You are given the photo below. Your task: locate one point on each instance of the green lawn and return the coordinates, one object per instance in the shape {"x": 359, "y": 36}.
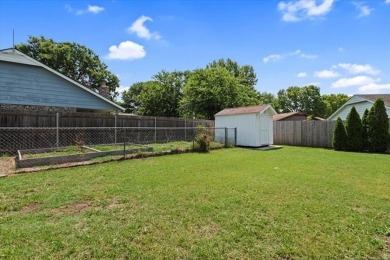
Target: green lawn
{"x": 291, "y": 203}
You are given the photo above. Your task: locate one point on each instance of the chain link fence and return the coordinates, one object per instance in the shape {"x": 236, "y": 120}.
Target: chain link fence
{"x": 46, "y": 146}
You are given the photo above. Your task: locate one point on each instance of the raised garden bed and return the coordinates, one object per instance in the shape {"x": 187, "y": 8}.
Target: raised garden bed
{"x": 60, "y": 155}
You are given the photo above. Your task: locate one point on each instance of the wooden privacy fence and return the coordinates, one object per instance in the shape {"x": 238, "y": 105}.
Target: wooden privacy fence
{"x": 304, "y": 133}
{"x": 15, "y": 119}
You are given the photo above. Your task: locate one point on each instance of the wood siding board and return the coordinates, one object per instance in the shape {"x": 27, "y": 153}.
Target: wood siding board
{"x": 29, "y": 85}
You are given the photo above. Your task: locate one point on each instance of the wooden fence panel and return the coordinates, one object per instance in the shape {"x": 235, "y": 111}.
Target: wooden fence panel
{"x": 304, "y": 133}
{"x": 15, "y": 119}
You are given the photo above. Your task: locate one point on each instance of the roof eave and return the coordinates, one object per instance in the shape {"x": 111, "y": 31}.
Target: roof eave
{"x": 68, "y": 79}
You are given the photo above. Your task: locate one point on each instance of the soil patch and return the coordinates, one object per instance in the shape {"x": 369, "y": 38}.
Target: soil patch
{"x": 30, "y": 207}
{"x": 74, "y": 208}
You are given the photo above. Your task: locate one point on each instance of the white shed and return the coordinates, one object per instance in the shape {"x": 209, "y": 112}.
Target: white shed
{"x": 254, "y": 124}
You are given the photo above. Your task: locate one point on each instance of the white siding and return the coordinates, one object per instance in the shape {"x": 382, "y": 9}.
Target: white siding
{"x": 360, "y": 108}
{"x": 249, "y": 128}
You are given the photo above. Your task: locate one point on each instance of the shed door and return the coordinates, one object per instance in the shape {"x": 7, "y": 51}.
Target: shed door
{"x": 264, "y": 128}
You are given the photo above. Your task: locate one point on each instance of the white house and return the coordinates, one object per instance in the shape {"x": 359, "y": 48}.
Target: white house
{"x": 361, "y": 103}
{"x": 254, "y": 124}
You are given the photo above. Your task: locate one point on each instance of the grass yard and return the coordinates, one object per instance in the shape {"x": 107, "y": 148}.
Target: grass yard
{"x": 291, "y": 203}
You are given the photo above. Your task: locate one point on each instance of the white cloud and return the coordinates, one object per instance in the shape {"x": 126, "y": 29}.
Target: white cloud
{"x": 294, "y": 11}
{"x": 127, "y": 50}
{"x": 302, "y": 75}
{"x": 325, "y": 74}
{"x": 341, "y": 49}
{"x": 308, "y": 56}
{"x": 95, "y": 9}
{"x": 272, "y": 57}
{"x": 303, "y": 55}
{"x": 139, "y": 28}
{"x": 90, "y": 9}
{"x": 364, "y": 10}
{"x": 357, "y": 81}
{"x": 299, "y": 53}
{"x": 387, "y": 1}
{"x": 375, "y": 88}
{"x": 358, "y": 68}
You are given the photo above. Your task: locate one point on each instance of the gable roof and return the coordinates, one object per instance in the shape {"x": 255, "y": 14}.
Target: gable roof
{"x": 245, "y": 110}
{"x": 282, "y": 116}
{"x": 15, "y": 56}
{"x": 287, "y": 115}
{"x": 374, "y": 97}
{"x": 358, "y": 98}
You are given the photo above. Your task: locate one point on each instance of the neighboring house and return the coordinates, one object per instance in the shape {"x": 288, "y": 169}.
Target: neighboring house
{"x": 361, "y": 103}
{"x": 294, "y": 116}
{"x": 27, "y": 83}
{"x": 254, "y": 124}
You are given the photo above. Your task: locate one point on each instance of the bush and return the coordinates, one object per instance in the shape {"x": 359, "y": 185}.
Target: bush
{"x": 378, "y": 130}
{"x": 354, "y": 130}
{"x": 365, "y": 125}
{"x": 339, "y": 136}
{"x": 202, "y": 140}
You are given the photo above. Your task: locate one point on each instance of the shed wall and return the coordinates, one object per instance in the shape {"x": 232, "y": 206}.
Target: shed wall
{"x": 31, "y": 85}
{"x": 266, "y": 123}
{"x": 248, "y": 131}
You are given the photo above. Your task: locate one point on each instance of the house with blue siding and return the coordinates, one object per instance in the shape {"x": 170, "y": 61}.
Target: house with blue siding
{"x": 361, "y": 102}
{"x": 26, "y": 82}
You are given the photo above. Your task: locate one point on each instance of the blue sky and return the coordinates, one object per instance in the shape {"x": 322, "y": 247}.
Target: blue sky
{"x": 341, "y": 46}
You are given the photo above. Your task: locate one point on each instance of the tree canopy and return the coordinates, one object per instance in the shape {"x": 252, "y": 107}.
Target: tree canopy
{"x": 305, "y": 99}
{"x": 72, "y": 60}
{"x": 210, "y": 90}
{"x": 244, "y": 74}
{"x": 158, "y": 97}
{"x": 222, "y": 83}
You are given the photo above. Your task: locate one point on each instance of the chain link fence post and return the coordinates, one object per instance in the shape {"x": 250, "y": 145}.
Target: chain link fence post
{"x": 235, "y": 136}
{"x": 155, "y": 129}
{"x": 185, "y": 129}
{"x": 226, "y": 137}
{"x": 57, "y": 129}
{"x": 115, "y": 122}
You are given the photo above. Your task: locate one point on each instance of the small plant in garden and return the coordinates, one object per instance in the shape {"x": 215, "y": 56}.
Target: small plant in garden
{"x": 202, "y": 139}
{"x": 79, "y": 142}
{"x": 339, "y": 136}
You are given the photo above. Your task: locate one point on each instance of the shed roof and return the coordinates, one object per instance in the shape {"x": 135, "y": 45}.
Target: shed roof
{"x": 244, "y": 110}
{"x": 15, "y": 56}
{"x": 282, "y": 116}
{"x": 287, "y": 115}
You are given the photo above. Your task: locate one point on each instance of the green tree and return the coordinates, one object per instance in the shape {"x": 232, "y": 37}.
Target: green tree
{"x": 245, "y": 74}
{"x": 365, "y": 125}
{"x": 289, "y": 100}
{"x": 304, "y": 99}
{"x": 354, "y": 130}
{"x": 210, "y": 90}
{"x": 72, "y": 60}
{"x": 378, "y": 131}
{"x": 339, "y": 136}
{"x": 158, "y": 97}
{"x": 131, "y": 97}
{"x": 266, "y": 98}
{"x": 333, "y": 102}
